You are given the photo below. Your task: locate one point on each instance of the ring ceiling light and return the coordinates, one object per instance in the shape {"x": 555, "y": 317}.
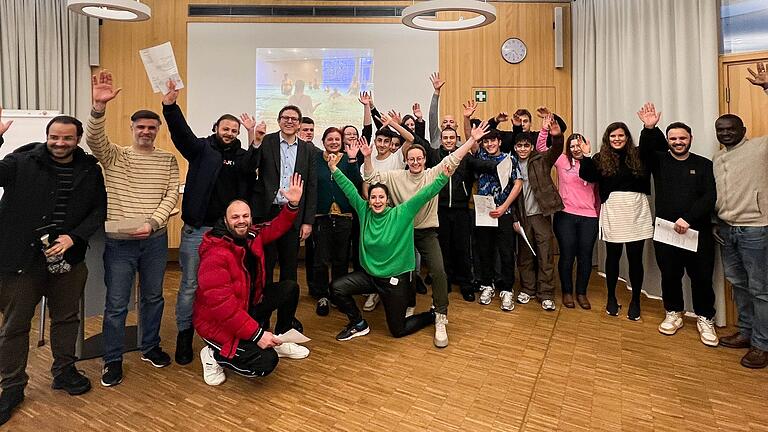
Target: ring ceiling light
{"x": 118, "y": 10}
{"x": 413, "y": 15}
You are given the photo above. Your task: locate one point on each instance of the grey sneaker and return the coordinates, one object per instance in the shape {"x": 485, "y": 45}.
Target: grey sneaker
{"x": 441, "y": 335}
{"x": 486, "y": 294}
{"x": 507, "y": 300}
{"x": 523, "y": 298}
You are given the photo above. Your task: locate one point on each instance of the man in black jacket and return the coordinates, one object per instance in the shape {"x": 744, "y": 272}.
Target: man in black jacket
{"x": 283, "y": 153}
{"x": 685, "y": 195}
{"x": 219, "y": 171}
{"x": 54, "y": 200}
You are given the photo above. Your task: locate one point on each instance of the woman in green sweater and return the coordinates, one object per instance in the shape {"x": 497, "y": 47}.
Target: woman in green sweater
{"x": 386, "y": 255}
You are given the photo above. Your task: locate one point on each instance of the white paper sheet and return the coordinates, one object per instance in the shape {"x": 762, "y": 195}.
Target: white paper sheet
{"x": 665, "y": 233}
{"x": 160, "y": 64}
{"x": 293, "y": 336}
{"x": 521, "y": 231}
{"x": 483, "y": 206}
{"x": 504, "y": 171}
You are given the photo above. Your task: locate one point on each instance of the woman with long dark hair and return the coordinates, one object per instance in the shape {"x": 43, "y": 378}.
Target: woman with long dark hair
{"x": 625, "y": 215}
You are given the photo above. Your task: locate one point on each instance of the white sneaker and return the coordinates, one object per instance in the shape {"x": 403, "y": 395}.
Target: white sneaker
{"x": 523, "y": 298}
{"x": 292, "y": 351}
{"x": 441, "y": 335}
{"x": 672, "y": 322}
{"x": 371, "y": 302}
{"x": 548, "y": 305}
{"x": 507, "y": 300}
{"x": 213, "y": 373}
{"x": 707, "y": 331}
{"x": 486, "y": 294}
{"x": 409, "y": 311}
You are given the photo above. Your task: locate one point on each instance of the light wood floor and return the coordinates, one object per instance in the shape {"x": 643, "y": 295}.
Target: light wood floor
{"x": 528, "y": 370}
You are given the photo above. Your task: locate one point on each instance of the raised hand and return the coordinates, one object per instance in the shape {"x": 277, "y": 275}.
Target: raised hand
{"x": 502, "y": 117}
{"x": 173, "y": 94}
{"x": 649, "y": 116}
{"x": 365, "y": 98}
{"x": 352, "y": 149}
{"x": 259, "y": 131}
{"x": 517, "y": 120}
{"x": 760, "y": 78}
{"x": 248, "y": 121}
{"x": 4, "y": 126}
{"x": 479, "y": 131}
{"x": 385, "y": 120}
{"x": 543, "y": 111}
{"x": 437, "y": 82}
{"x": 417, "y": 111}
{"x": 365, "y": 149}
{"x": 447, "y": 170}
{"x": 469, "y": 108}
{"x": 293, "y": 194}
{"x": 102, "y": 90}
{"x": 395, "y": 116}
{"x": 333, "y": 160}
{"x": 586, "y": 146}
{"x": 547, "y": 122}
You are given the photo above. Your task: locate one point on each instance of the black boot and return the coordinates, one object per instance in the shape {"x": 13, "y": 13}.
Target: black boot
{"x": 468, "y": 293}
{"x": 71, "y": 381}
{"x": 9, "y": 400}
{"x": 184, "y": 346}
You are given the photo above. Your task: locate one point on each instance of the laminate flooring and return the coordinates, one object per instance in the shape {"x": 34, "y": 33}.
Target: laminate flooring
{"x": 525, "y": 370}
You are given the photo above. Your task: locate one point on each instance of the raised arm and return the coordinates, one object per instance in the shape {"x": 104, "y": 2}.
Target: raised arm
{"x": 102, "y": 92}
{"x": 759, "y": 78}
{"x": 469, "y": 111}
{"x": 416, "y": 202}
{"x": 434, "y": 107}
{"x": 421, "y": 126}
{"x": 182, "y": 136}
{"x": 7, "y": 164}
{"x": 651, "y": 138}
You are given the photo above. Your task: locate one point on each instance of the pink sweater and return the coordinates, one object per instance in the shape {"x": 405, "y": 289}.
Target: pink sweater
{"x": 579, "y": 197}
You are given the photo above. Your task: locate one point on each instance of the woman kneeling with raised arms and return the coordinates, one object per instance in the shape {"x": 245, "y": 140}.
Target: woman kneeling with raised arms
{"x": 386, "y": 255}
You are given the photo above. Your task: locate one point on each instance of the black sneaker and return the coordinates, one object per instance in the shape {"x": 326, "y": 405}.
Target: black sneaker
{"x": 9, "y": 400}
{"x": 468, "y": 293}
{"x": 322, "y": 307}
{"x": 72, "y": 381}
{"x": 184, "y": 352}
{"x": 633, "y": 314}
{"x": 612, "y": 307}
{"x": 353, "y": 331}
{"x": 157, "y": 357}
{"x": 112, "y": 374}
{"x": 296, "y": 324}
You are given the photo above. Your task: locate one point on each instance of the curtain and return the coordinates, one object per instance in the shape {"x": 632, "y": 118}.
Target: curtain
{"x": 44, "y": 57}
{"x": 628, "y": 52}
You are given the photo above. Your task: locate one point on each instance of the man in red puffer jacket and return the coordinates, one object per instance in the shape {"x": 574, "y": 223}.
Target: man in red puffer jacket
{"x": 233, "y": 304}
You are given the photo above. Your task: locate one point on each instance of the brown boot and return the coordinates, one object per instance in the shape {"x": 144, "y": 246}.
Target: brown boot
{"x": 568, "y": 300}
{"x": 755, "y": 358}
{"x": 736, "y": 340}
{"x": 583, "y": 301}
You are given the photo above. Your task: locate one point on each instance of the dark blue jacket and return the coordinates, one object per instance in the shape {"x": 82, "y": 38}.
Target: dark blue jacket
{"x": 205, "y": 160}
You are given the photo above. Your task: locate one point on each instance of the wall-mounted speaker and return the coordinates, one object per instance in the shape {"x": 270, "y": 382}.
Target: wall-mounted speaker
{"x": 558, "y": 37}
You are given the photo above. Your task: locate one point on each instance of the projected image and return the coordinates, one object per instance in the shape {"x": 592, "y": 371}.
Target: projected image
{"x": 323, "y": 82}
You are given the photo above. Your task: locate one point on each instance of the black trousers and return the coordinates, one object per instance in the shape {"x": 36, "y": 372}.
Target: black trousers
{"x": 284, "y": 250}
{"x": 576, "y": 236}
{"x": 19, "y": 296}
{"x": 493, "y": 240}
{"x": 394, "y": 297}
{"x": 250, "y": 360}
{"x": 282, "y": 297}
{"x": 332, "y": 236}
{"x": 454, "y": 237}
{"x": 674, "y": 262}
{"x": 613, "y": 252}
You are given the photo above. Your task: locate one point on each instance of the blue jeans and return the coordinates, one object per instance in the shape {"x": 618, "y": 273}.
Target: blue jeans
{"x": 745, "y": 262}
{"x": 189, "y": 261}
{"x": 576, "y": 236}
{"x": 122, "y": 259}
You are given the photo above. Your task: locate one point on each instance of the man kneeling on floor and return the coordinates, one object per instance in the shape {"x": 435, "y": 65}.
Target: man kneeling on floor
{"x": 233, "y": 305}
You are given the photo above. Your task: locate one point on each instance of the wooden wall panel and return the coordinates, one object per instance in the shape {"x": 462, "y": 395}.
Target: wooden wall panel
{"x": 468, "y": 59}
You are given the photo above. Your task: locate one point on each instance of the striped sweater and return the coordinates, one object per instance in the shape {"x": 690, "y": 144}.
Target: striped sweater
{"x": 138, "y": 185}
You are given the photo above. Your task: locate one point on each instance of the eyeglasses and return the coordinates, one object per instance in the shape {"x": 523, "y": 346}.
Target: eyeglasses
{"x": 418, "y": 159}
{"x": 289, "y": 119}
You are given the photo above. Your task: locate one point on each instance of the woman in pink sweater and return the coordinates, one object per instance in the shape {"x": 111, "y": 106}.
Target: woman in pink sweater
{"x": 576, "y": 225}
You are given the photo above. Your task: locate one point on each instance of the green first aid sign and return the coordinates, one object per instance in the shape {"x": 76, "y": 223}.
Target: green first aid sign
{"x": 481, "y": 96}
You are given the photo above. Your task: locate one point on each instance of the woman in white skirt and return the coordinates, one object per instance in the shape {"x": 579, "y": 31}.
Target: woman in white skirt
{"x": 625, "y": 216}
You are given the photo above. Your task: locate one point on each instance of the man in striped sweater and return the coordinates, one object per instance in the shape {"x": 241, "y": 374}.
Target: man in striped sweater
{"x": 142, "y": 184}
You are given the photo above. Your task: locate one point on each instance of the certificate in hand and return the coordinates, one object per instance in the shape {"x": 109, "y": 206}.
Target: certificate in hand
{"x": 665, "y": 233}
{"x": 160, "y": 64}
{"x": 483, "y": 207}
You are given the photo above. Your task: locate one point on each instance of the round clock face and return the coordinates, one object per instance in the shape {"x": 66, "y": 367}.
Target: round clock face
{"x": 513, "y": 50}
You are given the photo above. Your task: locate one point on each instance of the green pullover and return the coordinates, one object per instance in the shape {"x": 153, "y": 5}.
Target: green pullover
{"x": 386, "y": 238}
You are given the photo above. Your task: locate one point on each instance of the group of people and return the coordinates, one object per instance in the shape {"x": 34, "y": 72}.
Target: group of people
{"x": 380, "y": 204}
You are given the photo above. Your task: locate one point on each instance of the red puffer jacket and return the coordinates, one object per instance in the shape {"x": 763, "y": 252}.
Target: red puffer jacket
{"x": 220, "y": 311}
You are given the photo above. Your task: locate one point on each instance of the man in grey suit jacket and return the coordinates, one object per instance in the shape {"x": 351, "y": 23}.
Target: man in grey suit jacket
{"x": 282, "y": 154}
